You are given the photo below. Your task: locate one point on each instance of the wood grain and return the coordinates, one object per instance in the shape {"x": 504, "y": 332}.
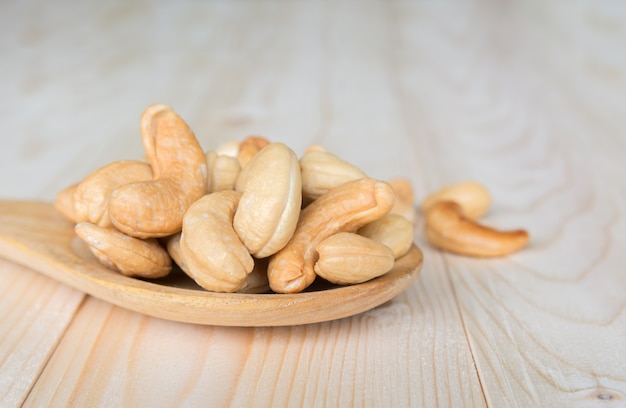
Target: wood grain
{"x": 393, "y": 353}
{"x": 525, "y": 97}
{"x": 546, "y": 326}
{"x": 35, "y": 314}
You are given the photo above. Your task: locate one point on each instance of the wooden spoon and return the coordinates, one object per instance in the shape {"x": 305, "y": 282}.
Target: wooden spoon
{"x": 35, "y": 235}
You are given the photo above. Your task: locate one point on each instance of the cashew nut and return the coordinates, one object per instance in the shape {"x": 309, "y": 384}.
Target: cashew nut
{"x": 155, "y": 208}
{"x": 344, "y": 208}
{"x": 256, "y": 282}
{"x": 272, "y": 197}
{"x": 473, "y": 198}
{"x": 405, "y": 199}
{"x": 64, "y": 203}
{"x": 249, "y": 147}
{"x": 322, "y": 171}
{"x": 393, "y": 231}
{"x": 172, "y": 245}
{"x": 230, "y": 148}
{"x": 128, "y": 255}
{"x": 314, "y": 148}
{"x": 91, "y": 198}
{"x": 448, "y": 228}
{"x": 213, "y": 254}
{"x": 348, "y": 258}
{"x": 223, "y": 171}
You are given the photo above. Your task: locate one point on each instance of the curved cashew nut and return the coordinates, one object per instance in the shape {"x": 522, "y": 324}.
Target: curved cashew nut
{"x": 322, "y": 171}
{"x": 272, "y": 197}
{"x": 91, "y": 197}
{"x": 223, "y": 171}
{"x": 128, "y": 255}
{"x": 214, "y": 256}
{"x": 344, "y": 208}
{"x": 172, "y": 246}
{"x": 393, "y": 231}
{"x": 256, "y": 282}
{"x": 449, "y": 229}
{"x": 473, "y": 198}
{"x": 155, "y": 208}
{"x": 348, "y": 258}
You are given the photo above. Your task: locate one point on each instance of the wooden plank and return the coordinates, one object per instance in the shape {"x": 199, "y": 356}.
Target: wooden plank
{"x": 35, "y": 313}
{"x": 547, "y": 326}
{"x": 408, "y": 352}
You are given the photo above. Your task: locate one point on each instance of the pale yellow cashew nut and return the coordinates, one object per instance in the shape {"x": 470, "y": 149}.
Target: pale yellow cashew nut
{"x": 213, "y": 254}
{"x": 223, "y": 172}
{"x": 229, "y": 148}
{"x": 393, "y": 231}
{"x": 323, "y": 171}
{"x": 272, "y": 197}
{"x": 314, "y": 148}
{"x": 473, "y": 198}
{"x": 249, "y": 147}
{"x": 348, "y": 258}
{"x": 91, "y": 197}
{"x": 128, "y": 255}
{"x": 256, "y": 282}
{"x": 344, "y": 208}
{"x": 172, "y": 246}
{"x": 155, "y": 208}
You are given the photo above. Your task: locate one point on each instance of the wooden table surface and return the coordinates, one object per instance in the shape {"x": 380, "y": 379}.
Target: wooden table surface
{"x": 527, "y": 97}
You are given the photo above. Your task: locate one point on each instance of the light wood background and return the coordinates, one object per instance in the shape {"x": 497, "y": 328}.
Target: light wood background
{"x": 527, "y": 97}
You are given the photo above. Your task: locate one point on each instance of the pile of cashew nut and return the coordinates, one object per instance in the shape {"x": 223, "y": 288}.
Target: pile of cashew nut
{"x": 247, "y": 216}
{"x": 251, "y": 216}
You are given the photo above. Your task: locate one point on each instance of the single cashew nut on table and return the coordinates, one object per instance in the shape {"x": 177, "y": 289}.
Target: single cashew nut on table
{"x": 473, "y": 198}
{"x": 272, "y": 197}
{"x": 128, "y": 255}
{"x": 91, "y": 197}
{"x": 448, "y": 229}
{"x": 345, "y": 208}
{"x": 213, "y": 254}
{"x": 393, "y": 231}
{"x": 348, "y": 258}
{"x": 155, "y": 208}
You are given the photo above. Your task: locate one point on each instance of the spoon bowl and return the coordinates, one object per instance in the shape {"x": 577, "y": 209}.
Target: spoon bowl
{"x": 35, "y": 235}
